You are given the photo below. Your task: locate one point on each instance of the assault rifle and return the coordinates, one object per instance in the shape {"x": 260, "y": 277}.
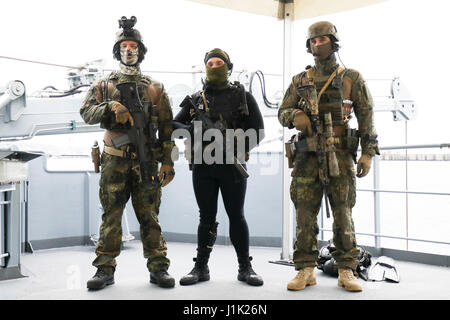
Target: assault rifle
{"x": 324, "y": 136}
{"x": 207, "y": 123}
{"x": 140, "y": 131}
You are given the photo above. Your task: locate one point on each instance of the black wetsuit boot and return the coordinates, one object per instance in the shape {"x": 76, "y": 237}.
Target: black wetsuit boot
{"x": 246, "y": 272}
{"x": 200, "y": 272}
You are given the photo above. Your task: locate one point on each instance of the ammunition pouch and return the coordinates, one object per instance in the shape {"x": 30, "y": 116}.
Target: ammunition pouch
{"x": 306, "y": 144}
{"x": 243, "y": 107}
{"x": 120, "y": 140}
{"x": 289, "y": 154}
{"x": 349, "y": 141}
{"x": 290, "y": 150}
{"x": 299, "y": 143}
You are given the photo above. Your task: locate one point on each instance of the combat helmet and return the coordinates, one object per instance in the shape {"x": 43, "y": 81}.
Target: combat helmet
{"x": 322, "y": 28}
{"x": 128, "y": 33}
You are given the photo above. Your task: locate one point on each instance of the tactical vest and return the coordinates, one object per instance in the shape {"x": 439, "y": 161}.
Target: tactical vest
{"x": 229, "y": 106}
{"x": 333, "y": 97}
{"x": 111, "y": 93}
{"x": 333, "y": 94}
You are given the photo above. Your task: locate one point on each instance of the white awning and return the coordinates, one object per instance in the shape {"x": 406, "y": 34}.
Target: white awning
{"x": 302, "y": 8}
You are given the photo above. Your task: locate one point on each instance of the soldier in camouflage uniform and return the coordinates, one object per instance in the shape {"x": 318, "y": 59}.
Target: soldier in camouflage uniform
{"x": 345, "y": 92}
{"x": 120, "y": 170}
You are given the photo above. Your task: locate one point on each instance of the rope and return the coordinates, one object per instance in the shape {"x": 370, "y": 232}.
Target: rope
{"x": 83, "y": 67}
{"x": 44, "y": 63}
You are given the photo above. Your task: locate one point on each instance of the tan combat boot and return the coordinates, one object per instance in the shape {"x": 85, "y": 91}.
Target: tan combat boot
{"x": 305, "y": 277}
{"x": 348, "y": 280}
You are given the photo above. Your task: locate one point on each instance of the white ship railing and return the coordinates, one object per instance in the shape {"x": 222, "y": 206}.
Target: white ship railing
{"x": 376, "y": 191}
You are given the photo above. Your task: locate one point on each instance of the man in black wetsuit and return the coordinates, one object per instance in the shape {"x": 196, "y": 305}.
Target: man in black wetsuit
{"x": 228, "y": 107}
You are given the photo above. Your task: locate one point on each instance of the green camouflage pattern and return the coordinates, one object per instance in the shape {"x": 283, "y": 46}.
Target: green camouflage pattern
{"x": 306, "y": 188}
{"x": 132, "y": 35}
{"x": 119, "y": 179}
{"x": 94, "y": 110}
{"x": 120, "y": 176}
{"x": 322, "y": 28}
{"x": 359, "y": 94}
{"x": 306, "y": 192}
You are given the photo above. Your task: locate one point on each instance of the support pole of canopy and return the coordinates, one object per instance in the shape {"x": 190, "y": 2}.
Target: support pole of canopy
{"x": 287, "y": 207}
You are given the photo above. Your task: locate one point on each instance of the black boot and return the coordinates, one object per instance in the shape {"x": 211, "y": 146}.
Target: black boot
{"x": 101, "y": 279}
{"x": 162, "y": 279}
{"x": 207, "y": 234}
{"x": 246, "y": 272}
{"x": 199, "y": 273}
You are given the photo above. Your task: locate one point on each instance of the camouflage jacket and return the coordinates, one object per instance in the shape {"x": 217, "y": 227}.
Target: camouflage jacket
{"x": 354, "y": 88}
{"x": 95, "y": 109}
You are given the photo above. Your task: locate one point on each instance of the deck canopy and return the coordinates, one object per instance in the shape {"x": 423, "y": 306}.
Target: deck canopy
{"x": 303, "y": 9}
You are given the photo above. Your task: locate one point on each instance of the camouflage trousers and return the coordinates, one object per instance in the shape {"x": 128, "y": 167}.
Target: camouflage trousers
{"x": 306, "y": 192}
{"x": 120, "y": 179}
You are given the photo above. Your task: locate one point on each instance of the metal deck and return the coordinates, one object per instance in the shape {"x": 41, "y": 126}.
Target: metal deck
{"x": 61, "y": 274}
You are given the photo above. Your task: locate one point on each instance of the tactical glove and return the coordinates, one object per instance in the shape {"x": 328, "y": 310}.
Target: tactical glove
{"x": 122, "y": 114}
{"x": 166, "y": 174}
{"x": 302, "y": 123}
{"x": 363, "y": 166}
